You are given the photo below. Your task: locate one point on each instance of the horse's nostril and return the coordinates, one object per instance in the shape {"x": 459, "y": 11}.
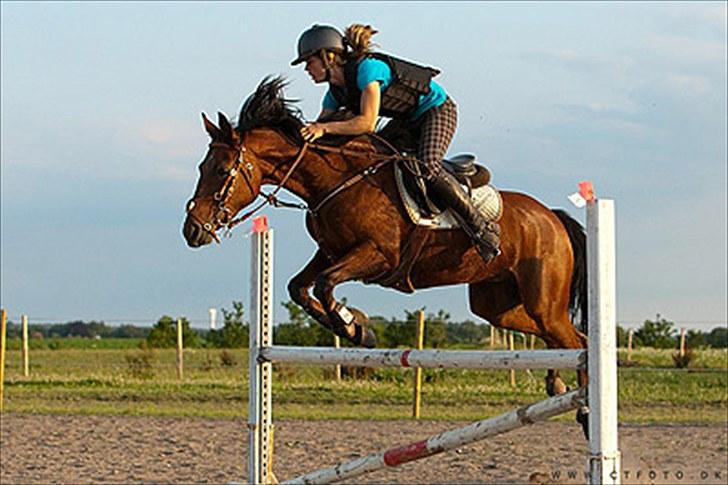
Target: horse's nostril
{"x": 190, "y": 230}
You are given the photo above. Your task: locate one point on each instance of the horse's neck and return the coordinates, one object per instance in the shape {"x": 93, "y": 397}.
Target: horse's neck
{"x": 318, "y": 172}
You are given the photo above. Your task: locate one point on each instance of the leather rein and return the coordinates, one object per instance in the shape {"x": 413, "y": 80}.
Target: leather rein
{"x": 222, "y": 216}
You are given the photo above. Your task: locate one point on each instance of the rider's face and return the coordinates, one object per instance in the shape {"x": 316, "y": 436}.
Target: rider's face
{"x": 315, "y": 68}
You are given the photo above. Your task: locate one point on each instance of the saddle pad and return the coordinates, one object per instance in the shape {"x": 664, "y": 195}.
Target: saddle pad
{"x": 486, "y": 198}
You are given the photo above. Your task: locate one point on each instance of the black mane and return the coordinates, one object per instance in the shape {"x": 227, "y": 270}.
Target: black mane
{"x": 267, "y": 107}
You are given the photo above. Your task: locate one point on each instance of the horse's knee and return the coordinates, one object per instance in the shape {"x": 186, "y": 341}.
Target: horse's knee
{"x": 295, "y": 291}
{"x": 322, "y": 290}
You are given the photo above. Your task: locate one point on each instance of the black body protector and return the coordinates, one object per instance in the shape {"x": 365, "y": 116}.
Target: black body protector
{"x": 400, "y": 99}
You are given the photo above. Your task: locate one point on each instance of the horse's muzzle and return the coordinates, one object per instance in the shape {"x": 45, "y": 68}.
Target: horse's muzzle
{"x": 195, "y": 234}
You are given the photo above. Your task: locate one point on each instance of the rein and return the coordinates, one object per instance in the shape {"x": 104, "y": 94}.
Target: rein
{"x": 272, "y": 199}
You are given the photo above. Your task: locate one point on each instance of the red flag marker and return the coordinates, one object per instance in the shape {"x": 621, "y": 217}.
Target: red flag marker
{"x": 586, "y": 190}
{"x": 260, "y": 224}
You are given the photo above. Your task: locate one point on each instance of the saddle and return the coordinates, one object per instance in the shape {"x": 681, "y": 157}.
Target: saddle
{"x": 427, "y": 211}
{"x": 462, "y": 167}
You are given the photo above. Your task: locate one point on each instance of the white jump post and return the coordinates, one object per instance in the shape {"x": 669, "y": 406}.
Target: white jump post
{"x": 604, "y": 458}
{"x": 260, "y": 446}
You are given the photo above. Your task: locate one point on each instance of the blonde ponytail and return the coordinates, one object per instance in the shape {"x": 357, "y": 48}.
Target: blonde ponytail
{"x": 359, "y": 36}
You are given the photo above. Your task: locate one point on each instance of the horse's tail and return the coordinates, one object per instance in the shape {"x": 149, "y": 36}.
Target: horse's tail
{"x": 578, "y": 291}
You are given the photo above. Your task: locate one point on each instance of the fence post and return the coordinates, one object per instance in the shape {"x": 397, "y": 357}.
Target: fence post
{"x": 26, "y": 358}
{"x": 512, "y": 347}
{"x": 419, "y": 341}
{"x": 3, "y": 320}
{"x": 604, "y": 456}
{"x": 180, "y": 364}
{"x": 337, "y": 369}
{"x": 260, "y": 426}
{"x": 629, "y": 344}
{"x": 682, "y": 342}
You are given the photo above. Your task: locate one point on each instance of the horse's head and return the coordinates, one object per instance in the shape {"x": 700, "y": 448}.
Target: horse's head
{"x": 229, "y": 181}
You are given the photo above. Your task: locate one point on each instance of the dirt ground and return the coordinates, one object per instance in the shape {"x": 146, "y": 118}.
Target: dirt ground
{"x": 94, "y": 449}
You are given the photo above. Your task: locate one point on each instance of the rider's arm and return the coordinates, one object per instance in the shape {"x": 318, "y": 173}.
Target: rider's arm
{"x": 365, "y": 122}
{"x": 362, "y": 123}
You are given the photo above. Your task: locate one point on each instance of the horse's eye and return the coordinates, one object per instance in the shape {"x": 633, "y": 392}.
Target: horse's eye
{"x": 223, "y": 173}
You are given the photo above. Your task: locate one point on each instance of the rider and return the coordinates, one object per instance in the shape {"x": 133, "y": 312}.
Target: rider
{"x": 371, "y": 84}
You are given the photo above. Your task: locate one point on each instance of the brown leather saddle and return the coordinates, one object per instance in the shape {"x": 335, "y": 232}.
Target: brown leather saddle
{"x": 463, "y": 167}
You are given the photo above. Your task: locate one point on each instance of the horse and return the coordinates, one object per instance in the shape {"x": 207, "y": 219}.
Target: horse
{"x": 354, "y": 213}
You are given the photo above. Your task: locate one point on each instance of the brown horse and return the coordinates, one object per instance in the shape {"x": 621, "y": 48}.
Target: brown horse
{"x": 356, "y": 216}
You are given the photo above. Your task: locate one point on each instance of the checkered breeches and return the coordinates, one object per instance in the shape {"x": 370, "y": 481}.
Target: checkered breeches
{"x": 437, "y": 128}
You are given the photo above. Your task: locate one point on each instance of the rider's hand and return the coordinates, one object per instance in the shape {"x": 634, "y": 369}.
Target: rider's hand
{"x": 313, "y": 131}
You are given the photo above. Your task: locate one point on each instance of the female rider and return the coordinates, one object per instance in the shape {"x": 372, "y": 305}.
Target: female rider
{"x": 371, "y": 84}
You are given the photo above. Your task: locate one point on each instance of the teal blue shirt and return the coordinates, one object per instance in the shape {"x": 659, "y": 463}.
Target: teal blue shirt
{"x": 371, "y": 70}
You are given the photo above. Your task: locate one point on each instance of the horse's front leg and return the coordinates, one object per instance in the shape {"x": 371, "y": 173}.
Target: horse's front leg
{"x": 364, "y": 261}
{"x": 300, "y": 284}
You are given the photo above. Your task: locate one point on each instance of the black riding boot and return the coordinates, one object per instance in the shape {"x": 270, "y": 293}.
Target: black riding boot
{"x": 485, "y": 235}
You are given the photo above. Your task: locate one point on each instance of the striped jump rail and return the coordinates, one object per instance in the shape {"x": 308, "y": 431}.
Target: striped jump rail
{"x": 599, "y": 359}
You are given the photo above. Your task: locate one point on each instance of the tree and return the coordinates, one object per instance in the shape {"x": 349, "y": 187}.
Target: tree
{"x": 435, "y": 329}
{"x": 622, "y": 336}
{"x": 129, "y": 331}
{"x": 695, "y": 339}
{"x": 658, "y": 334}
{"x": 718, "y": 338}
{"x": 234, "y": 333}
{"x": 398, "y": 333}
{"x": 467, "y": 332}
{"x": 301, "y": 329}
{"x": 164, "y": 334}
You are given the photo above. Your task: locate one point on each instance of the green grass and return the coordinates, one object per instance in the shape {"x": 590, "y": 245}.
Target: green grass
{"x": 102, "y": 381}
{"x": 74, "y": 343}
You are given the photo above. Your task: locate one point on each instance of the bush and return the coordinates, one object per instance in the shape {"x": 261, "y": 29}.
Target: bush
{"x": 227, "y": 359}
{"x": 683, "y": 361}
{"x": 139, "y": 364}
{"x": 164, "y": 334}
{"x": 208, "y": 363}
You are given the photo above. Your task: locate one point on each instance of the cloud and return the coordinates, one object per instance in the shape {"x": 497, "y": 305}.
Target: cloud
{"x": 712, "y": 15}
{"x": 686, "y": 83}
{"x": 160, "y": 148}
{"x": 685, "y": 51}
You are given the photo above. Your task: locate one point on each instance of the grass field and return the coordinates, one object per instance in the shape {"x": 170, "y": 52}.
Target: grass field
{"x": 135, "y": 382}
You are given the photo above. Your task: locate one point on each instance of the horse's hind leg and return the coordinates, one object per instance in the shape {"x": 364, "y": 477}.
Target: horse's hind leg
{"x": 500, "y": 303}
{"x": 546, "y": 300}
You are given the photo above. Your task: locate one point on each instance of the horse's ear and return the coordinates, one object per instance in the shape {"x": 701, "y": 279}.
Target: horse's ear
{"x": 210, "y": 127}
{"x": 227, "y": 130}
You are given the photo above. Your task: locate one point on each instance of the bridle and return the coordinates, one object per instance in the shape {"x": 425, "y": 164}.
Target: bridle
{"x": 223, "y": 213}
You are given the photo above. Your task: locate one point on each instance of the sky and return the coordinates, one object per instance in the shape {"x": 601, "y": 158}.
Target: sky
{"x": 101, "y": 135}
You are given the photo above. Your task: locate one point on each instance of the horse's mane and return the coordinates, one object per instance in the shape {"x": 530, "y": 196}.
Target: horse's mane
{"x": 267, "y": 107}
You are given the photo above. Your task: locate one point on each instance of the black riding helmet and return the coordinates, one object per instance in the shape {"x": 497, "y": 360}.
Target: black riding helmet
{"x": 319, "y": 37}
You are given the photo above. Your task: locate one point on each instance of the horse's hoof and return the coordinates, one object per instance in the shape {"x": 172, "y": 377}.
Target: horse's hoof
{"x": 555, "y": 386}
{"x": 369, "y": 339}
{"x": 364, "y": 337}
{"x": 359, "y": 316}
{"x": 582, "y": 417}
